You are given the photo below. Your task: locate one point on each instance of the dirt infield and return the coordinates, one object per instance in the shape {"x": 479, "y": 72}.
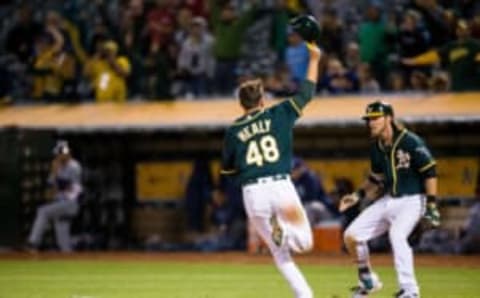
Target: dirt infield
{"x": 243, "y": 258}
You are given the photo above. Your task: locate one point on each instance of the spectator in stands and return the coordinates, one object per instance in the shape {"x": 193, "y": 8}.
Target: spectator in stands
{"x": 280, "y": 83}
{"x": 52, "y": 66}
{"x": 439, "y": 82}
{"x": 373, "y": 36}
{"x": 99, "y": 34}
{"x": 130, "y": 40}
{"x": 296, "y": 56}
{"x": 396, "y": 82}
{"x": 228, "y": 28}
{"x": 184, "y": 23}
{"x": 460, "y": 57}
{"x": 451, "y": 18}
{"x": 317, "y": 204}
{"x": 418, "y": 81}
{"x": 281, "y": 16}
{"x": 108, "y": 72}
{"x": 463, "y": 8}
{"x": 475, "y": 26}
{"x": 150, "y": 34}
{"x": 331, "y": 35}
{"x": 197, "y": 7}
{"x": 65, "y": 178}
{"x": 21, "y": 37}
{"x": 367, "y": 83}
{"x": 412, "y": 38}
{"x": 160, "y": 23}
{"x": 351, "y": 58}
{"x": 257, "y": 58}
{"x": 159, "y": 72}
{"x": 338, "y": 80}
{"x": 196, "y": 61}
{"x": 433, "y": 16}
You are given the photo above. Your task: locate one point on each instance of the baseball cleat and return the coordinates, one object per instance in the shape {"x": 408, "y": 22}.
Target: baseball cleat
{"x": 404, "y": 294}
{"x": 367, "y": 286}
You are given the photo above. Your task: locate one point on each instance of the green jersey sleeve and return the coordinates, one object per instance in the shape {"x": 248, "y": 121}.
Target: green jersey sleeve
{"x": 304, "y": 96}
{"x": 290, "y": 109}
{"x": 422, "y": 158}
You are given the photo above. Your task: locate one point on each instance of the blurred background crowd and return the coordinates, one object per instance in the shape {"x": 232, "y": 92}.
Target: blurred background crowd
{"x": 118, "y": 50}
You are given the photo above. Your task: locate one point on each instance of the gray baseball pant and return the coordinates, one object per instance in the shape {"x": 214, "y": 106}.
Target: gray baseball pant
{"x": 55, "y": 211}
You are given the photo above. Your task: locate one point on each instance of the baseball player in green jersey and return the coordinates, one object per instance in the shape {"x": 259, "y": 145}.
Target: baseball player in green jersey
{"x": 403, "y": 181}
{"x": 258, "y": 151}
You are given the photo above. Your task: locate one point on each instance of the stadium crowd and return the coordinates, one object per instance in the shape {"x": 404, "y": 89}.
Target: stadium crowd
{"x": 117, "y": 50}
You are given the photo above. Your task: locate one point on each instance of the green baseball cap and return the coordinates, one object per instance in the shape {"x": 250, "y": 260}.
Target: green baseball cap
{"x": 378, "y": 109}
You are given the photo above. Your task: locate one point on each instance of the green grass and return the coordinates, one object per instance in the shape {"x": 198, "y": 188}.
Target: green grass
{"x": 125, "y": 279}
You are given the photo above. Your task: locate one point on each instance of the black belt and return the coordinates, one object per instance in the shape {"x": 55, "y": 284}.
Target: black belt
{"x": 398, "y": 196}
{"x": 266, "y": 179}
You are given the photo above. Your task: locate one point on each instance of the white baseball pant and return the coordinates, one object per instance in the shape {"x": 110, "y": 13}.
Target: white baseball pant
{"x": 269, "y": 197}
{"x": 398, "y": 216}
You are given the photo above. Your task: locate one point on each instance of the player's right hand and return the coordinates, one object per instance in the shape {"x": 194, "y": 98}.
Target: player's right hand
{"x": 348, "y": 201}
{"x": 313, "y": 50}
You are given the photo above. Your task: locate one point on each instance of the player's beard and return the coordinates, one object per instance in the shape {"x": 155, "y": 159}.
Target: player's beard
{"x": 378, "y": 132}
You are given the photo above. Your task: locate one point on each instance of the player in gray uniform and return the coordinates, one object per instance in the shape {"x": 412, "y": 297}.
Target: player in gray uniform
{"x": 403, "y": 181}
{"x": 65, "y": 179}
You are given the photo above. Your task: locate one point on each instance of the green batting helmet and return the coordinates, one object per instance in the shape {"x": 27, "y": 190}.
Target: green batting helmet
{"x": 378, "y": 109}
{"x": 306, "y": 26}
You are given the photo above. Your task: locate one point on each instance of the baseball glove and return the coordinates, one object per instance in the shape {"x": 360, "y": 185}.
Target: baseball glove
{"x": 431, "y": 218}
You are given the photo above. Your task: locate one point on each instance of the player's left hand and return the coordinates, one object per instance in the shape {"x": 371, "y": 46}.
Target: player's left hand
{"x": 432, "y": 215}
{"x": 348, "y": 201}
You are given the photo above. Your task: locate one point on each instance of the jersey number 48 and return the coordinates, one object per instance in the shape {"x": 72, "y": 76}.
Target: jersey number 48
{"x": 263, "y": 150}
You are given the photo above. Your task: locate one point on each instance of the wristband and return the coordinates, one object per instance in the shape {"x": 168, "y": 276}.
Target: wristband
{"x": 374, "y": 180}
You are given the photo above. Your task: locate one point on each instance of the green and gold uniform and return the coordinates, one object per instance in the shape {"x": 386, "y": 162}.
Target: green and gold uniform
{"x": 258, "y": 151}
{"x": 403, "y": 165}
{"x": 259, "y": 144}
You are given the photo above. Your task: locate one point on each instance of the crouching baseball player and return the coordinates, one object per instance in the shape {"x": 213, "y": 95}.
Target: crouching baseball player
{"x": 65, "y": 179}
{"x": 403, "y": 170}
